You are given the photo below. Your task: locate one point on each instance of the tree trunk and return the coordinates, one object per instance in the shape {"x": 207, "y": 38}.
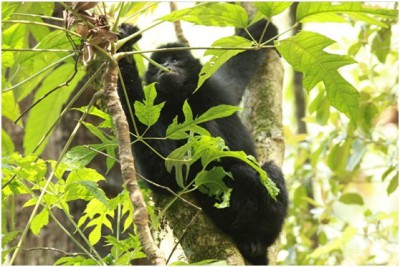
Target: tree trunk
{"x": 199, "y": 237}
{"x": 263, "y": 116}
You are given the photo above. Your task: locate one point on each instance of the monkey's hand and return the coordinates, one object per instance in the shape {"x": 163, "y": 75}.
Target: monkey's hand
{"x": 126, "y": 30}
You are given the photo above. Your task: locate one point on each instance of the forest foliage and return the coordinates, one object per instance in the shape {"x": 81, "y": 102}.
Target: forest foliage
{"x": 335, "y": 173}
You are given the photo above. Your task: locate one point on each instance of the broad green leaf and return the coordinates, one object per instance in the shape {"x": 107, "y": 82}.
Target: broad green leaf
{"x": 76, "y": 261}
{"x": 336, "y": 243}
{"x": 178, "y": 130}
{"x": 7, "y": 60}
{"x": 146, "y": 111}
{"x": 338, "y": 156}
{"x": 358, "y": 151}
{"x": 97, "y": 132}
{"x": 270, "y": 9}
{"x": 352, "y": 198}
{"x": 8, "y": 8}
{"x": 10, "y": 108}
{"x": 8, "y": 237}
{"x": 7, "y": 145}
{"x": 209, "y": 149}
{"x": 211, "y": 14}
{"x": 219, "y": 57}
{"x": 299, "y": 194}
{"x": 84, "y": 174}
{"x": 28, "y": 64}
{"x": 43, "y": 115}
{"x": 381, "y": 44}
{"x": 94, "y": 189}
{"x": 329, "y": 12}
{"x": 127, "y": 208}
{"x": 40, "y": 220}
{"x": 320, "y": 105}
{"x": 14, "y": 36}
{"x": 97, "y": 215}
{"x": 212, "y": 183}
{"x": 30, "y": 167}
{"x": 94, "y": 111}
{"x": 304, "y": 52}
{"x": 180, "y": 157}
{"x": 393, "y": 185}
{"x": 79, "y": 156}
{"x": 389, "y": 171}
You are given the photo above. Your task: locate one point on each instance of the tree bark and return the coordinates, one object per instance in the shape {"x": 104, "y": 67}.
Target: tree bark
{"x": 262, "y": 115}
{"x": 199, "y": 237}
{"x": 140, "y": 216}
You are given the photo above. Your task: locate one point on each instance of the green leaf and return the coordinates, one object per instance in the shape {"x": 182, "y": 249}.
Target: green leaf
{"x": 94, "y": 111}
{"x": 270, "y": 9}
{"x": 8, "y": 8}
{"x": 338, "y": 156}
{"x": 43, "y": 115}
{"x": 358, "y": 151}
{"x": 219, "y": 57}
{"x": 14, "y": 36}
{"x": 351, "y": 198}
{"x": 211, "y": 14}
{"x": 394, "y": 183}
{"x": 97, "y": 132}
{"x": 39, "y": 221}
{"x": 97, "y": 215}
{"x": 146, "y": 111}
{"x": 212, "y": 183}
{"x": 381, "y": 44}
{"x": 304, "y": 52}
{"x": 95, "y": 191}
{"x": 73, "y": 261}
{"x": 7, "y": 144}
{"x": 336, "y": 243}
{"x": 84, "y": 174}
{"x": 8, "y": 237}
{"x": 7, "y": 59}
{"x": 177, "y": 130}
{"x": 328, "y": 12}
{"x": 9, "y": 108}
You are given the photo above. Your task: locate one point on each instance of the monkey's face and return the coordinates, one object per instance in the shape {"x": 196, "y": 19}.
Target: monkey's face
{"x": 182, "y": 75}
{"x": 174, "y": 69}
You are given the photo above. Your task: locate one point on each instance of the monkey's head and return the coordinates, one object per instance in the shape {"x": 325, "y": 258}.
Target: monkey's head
{"x": 184, "y": 70}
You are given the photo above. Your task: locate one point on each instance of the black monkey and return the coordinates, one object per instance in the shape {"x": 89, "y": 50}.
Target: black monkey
{"x": 254, "y": 220}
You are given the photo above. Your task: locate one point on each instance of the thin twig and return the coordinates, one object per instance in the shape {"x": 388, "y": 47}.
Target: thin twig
{"x": 37, "y": 16}
{"x": 170, "y": 191}
{"x": 37, "y": 73}
{"x": 69, "y": 105}
{"x": 55, "y": 250}
{"x": 183, "y": 234}
{"x": 47, "y": 184}
{"x": 171, "y": 49}
{"x": 100, "y": 152}
{"x": 38, "y": 50}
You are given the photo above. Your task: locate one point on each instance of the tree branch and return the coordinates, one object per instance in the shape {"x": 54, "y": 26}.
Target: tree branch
{"x": 141, "y": 217}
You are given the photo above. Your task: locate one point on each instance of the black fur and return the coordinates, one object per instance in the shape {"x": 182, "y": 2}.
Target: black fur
{"x": 254, "y": 220}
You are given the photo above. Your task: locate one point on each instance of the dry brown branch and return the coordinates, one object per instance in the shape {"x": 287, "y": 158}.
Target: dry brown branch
{"x": 178, "y": 27}
{"x": 141, "y": 217}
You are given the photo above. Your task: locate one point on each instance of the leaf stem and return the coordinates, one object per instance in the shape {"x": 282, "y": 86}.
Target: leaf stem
{"x": 69, "y": 105}
{"x": 47, "y": 184}
{"x": 37, "y": 73}
{"x": 37, "y": 16}
{"x": 42, "y": 24}
{"x": 38, "y": 50}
